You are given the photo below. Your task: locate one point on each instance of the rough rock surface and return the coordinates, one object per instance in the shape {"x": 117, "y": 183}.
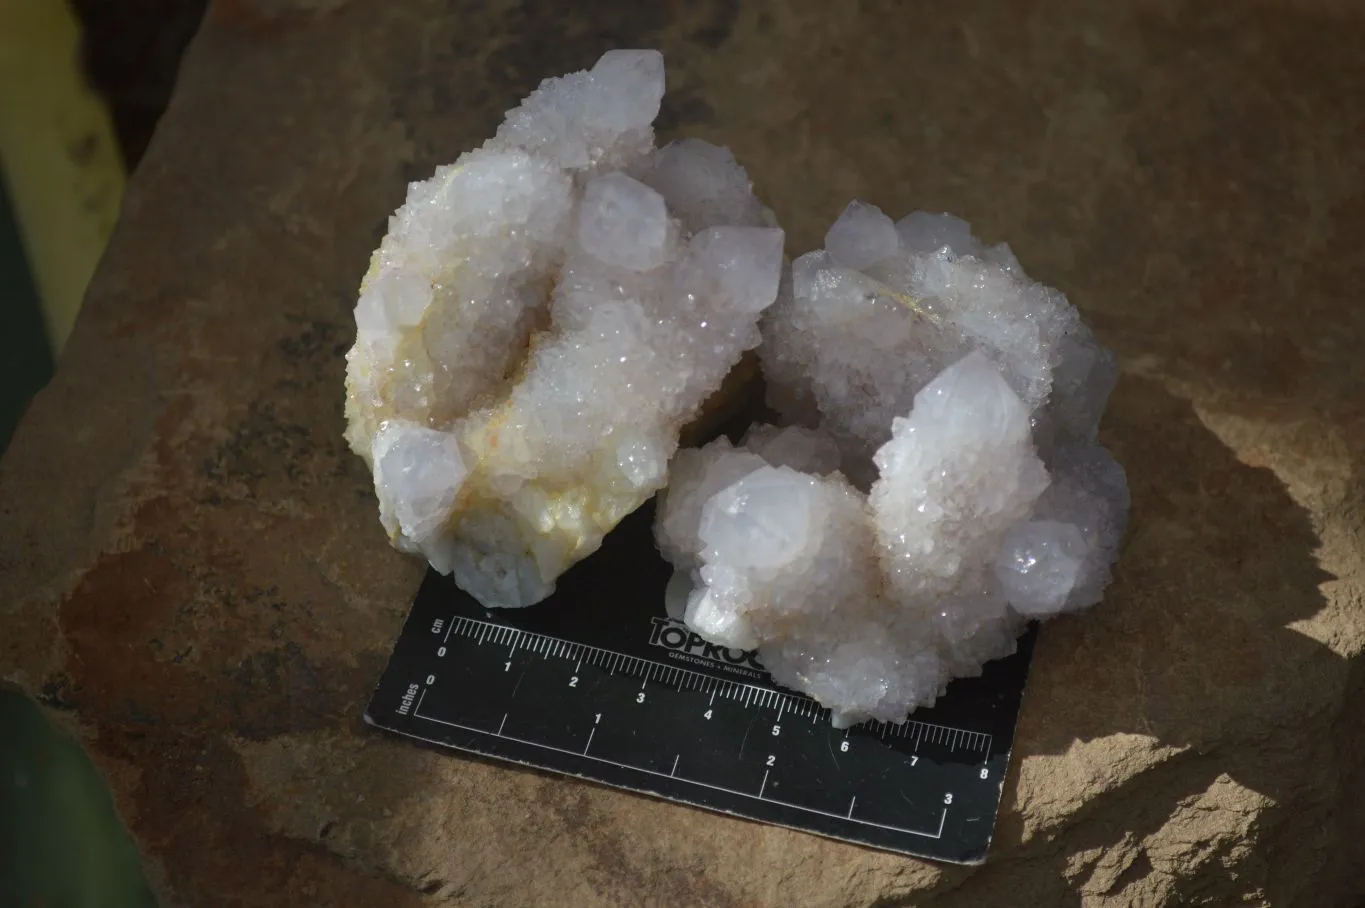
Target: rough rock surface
{"x": 191, "y": 576}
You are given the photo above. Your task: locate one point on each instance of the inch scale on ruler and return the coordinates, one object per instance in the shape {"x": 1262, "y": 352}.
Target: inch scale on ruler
{"x": 598, "y": 683}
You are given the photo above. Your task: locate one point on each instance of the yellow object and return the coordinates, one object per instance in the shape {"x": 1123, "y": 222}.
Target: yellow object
{"x": 59, "y": 158}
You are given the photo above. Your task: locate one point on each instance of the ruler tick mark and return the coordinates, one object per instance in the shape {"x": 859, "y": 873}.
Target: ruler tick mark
{"x": 745, "y": 794}
{"x": 591, "y": 732}
{"x": 850, "y": 806}
{"x": 764, "y": 786}
{"x": 674, "y": 770}
{"x": 502, "y": 724}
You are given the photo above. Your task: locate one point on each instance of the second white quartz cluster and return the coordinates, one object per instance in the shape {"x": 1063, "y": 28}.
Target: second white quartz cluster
{"x": 938, "y": 484}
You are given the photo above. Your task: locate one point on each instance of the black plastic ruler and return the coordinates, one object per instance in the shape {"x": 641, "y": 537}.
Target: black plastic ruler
{"x": 596, "y": 682}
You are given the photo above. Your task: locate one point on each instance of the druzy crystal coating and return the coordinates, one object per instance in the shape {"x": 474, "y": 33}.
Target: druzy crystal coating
{"x": 542, "y": 319}
{"x": 937, "y": 484}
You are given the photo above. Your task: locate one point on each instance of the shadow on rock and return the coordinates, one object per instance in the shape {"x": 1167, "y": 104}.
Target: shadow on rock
{"x": 1186, "y": 705}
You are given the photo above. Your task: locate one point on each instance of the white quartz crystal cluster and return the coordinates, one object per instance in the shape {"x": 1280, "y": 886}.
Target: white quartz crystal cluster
{"x": 547, "y": 314}
{"x": 938, "y": 484}
{"x": 542, "y": 319}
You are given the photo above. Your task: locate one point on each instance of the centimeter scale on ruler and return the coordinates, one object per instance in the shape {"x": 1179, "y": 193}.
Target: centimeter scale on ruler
{"x": 770, "y": 703}
{"x": 468, "y": 678}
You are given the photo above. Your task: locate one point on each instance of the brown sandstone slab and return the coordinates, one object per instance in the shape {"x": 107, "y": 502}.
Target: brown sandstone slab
{"x": 193, "y": 579}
